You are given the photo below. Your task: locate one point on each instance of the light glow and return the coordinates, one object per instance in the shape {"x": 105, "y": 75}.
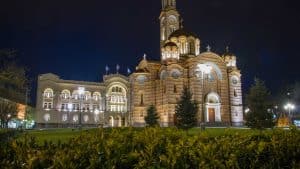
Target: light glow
{"x": 205, "y": 68}
{"x": 81, "y": 90}
{"x": 289, "y": 106}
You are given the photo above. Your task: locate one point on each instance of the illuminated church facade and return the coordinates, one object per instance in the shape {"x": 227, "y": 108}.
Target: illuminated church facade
{"x": 214, "y": 80}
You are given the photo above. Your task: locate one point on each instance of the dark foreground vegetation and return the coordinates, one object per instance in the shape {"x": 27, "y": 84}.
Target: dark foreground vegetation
{"x": 156, "y": 148}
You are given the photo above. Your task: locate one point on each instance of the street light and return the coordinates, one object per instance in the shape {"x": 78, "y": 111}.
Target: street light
{"x": 81, "y": 91}
{"x": 204, "y": 69}
{"x": 289, "y": 107}
{"x": 70, "y": 107}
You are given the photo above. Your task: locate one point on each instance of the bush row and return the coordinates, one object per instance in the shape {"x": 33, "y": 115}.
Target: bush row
{"x": 157, "y": 148}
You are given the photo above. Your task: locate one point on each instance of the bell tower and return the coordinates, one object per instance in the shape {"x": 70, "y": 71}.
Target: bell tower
{"x": 169, "y": 20}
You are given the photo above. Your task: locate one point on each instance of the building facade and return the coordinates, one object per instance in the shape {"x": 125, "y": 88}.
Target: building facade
{"x": 213, "y": 79}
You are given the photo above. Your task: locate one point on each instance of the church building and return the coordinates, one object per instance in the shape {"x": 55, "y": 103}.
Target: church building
{"x": 213, "y": 79}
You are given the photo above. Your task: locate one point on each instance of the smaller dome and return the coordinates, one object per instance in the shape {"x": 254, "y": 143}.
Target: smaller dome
{"x": 228, "y": 53}
{"x": 182, "y": 32}
{"x": 171, "y": 44}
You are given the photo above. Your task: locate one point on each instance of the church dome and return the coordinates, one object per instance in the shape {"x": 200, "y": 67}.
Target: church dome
{"x": 182, "y": 32}
{"x": 170, "y": 44}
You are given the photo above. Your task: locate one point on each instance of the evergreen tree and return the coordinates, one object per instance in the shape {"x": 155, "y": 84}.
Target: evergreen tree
{"x": 186, "y": 111}
{"x": 258, "y": 102}
{"x": 152, "y": 116}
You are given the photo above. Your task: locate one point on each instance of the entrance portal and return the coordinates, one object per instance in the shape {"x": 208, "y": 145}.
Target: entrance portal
{"x": 211, "y": 114}
{"x": 212, "y": 108}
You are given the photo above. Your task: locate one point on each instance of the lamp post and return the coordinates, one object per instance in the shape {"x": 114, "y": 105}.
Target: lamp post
{"x": 81, "y": 91}
{"x": 70, "y": 107}
{"x": 289, "y": 107}
{"x": 204, "y": 69}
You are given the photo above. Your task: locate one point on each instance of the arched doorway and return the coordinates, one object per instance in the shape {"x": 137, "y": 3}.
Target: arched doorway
{"x": 118, "y": 121}
{"x": 212, "y": 108}
{"x": 111, "y": 121}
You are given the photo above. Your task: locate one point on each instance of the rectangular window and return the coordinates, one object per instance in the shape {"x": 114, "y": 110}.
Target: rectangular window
{"x": 45, "y": 106}
{"x": 49, "y": 105}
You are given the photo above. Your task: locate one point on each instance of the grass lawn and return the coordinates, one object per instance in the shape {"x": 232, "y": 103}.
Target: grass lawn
{"x": 55, "y": 135}
{"x": 64, "y": 135}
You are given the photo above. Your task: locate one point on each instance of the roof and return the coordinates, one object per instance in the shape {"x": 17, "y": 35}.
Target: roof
{"x": 182, "y": 32}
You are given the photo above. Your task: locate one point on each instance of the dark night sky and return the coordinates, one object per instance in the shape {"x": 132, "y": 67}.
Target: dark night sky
{"x": 76, "y": 39}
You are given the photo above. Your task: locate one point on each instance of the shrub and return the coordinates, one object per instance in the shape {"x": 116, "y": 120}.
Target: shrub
{"x": 157, "y": 148}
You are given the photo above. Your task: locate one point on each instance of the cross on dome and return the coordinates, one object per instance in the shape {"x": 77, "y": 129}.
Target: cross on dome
{"x": 208, "y": 48}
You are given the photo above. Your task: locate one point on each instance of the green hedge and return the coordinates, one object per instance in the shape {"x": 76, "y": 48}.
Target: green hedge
{"x": 156, "y": 148}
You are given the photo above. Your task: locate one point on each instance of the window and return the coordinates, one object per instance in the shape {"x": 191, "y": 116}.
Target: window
{"x": 63, "y": 106}
{"x": 87, "y": 95}
{"x": 175, "y": 73}
{"x": 75, "y": 118}
{"x": 116, "y": 99}
{"x": 48, "y": 93}
{"x": 141, "y": 79}
{"x": 47, "y": 105}
{"x": 234, "y": 93}
{"x": 65, "y": 94}
{"x": 47, "y": 117}
{"x": 175, "y": 89}
{"x": 96, "y": 96}
{"x": 142, "y": 100}
{"x": 85, "y": 118}
{"x": 64, "y": 117}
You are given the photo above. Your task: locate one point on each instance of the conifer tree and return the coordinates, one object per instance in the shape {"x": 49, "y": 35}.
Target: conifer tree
{"x": 258, "y": 103}
{"x": 186, "y": 111}
{"x": 152, "y": 117}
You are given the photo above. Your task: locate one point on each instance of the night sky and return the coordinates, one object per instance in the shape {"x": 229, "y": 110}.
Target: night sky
{"x": 75, "y": 39}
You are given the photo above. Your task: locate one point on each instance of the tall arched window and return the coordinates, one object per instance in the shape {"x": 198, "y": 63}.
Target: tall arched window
{"x": 142, "y": 99}
{"x": 234, "y": 93}
{"x": 48, "y": 99}
{"x": 175, "y": 89}
{"x": 117, "y": 99}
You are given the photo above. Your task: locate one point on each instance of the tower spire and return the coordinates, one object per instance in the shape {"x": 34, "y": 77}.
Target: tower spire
{"x": 168, "y": 4}
{"x": 169, "y": 20}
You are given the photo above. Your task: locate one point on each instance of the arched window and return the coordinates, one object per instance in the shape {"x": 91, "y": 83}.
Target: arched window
{"x": 47, "y": 117}
{"x": 65, "y": 94}
{"x": 212, "y": 98}
{"x": 48, "y": 93}
{"x": 64, "y": 117}
{"x": 117, "y": 99}
{"x": 75, "y": 95}
{"x": 175, "y": 89}
{"x": 191, "y": 47}
{"x": 96, "y": 96}
{"x": 48, "y": 99}
{"x": 234, "y": 93}
{"x": 87, "y": 95}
